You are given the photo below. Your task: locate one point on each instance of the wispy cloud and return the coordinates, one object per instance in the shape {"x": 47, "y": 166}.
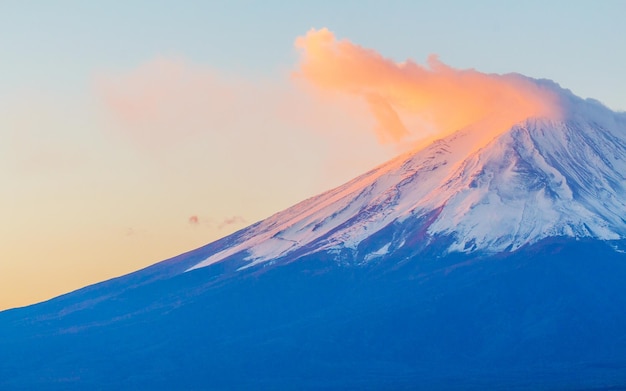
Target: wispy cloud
{"x": 234, "y": 220}
{"x": 411, "y": 100}
{"x": 337, "y": 93}
{"x": 164, "y": 101}
{"x": 196, "y": 220}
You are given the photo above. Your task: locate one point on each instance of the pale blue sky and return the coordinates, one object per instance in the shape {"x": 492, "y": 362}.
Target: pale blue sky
{"x": 579, "y": 44}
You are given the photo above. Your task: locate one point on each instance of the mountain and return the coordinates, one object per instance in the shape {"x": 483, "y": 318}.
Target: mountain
{"x": 477, "y": 262}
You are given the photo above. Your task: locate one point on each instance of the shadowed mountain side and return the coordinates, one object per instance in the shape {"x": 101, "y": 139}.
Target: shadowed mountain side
{"x": 547, "y": 315}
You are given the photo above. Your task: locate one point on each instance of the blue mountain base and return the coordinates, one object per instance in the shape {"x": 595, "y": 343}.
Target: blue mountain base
{"x": 551, "y": 315}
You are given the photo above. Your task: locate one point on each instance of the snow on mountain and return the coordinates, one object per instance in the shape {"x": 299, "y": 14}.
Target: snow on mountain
{"x": 544, "y": 177}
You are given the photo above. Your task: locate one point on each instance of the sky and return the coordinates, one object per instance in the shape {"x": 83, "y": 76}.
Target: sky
{"x": 135, "y": 131}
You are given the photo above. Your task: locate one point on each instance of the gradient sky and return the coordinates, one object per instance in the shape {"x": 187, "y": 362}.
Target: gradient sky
{"x": 134, "y": 131}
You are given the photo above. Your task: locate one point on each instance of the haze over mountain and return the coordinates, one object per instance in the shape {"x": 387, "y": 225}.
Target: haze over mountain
{"x": 485, "y": 259}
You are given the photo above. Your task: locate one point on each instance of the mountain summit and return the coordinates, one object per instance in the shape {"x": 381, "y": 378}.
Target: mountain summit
{"x": 542, "y": 178}
{"x": 481, "y": 261}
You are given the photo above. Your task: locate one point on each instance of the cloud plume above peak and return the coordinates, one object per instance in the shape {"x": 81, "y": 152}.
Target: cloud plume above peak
{"x": 411, "y": 101}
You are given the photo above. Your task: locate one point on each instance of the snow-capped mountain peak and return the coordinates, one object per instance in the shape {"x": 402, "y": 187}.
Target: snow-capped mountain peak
{"x": 544, "y": 177}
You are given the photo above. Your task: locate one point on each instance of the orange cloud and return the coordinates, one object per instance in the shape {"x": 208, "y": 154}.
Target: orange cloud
{"x": 411, "y": 101}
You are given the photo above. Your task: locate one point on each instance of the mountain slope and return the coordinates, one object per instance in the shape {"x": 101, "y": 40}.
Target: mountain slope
{"x": 474, "y": 263}
{"x": 540, "y": 179}
{"x": 544, "y": 317}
